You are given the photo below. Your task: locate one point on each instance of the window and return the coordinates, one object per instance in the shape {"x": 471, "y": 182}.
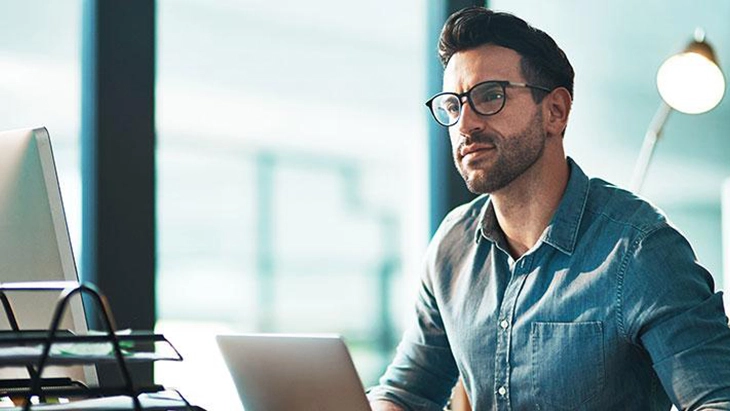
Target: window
{"x": 40, "y": 85}
{"x": 291, "y": 177}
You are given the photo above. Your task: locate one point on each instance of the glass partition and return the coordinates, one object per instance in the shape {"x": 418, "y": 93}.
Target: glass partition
{"x": 40, "y": 85}
{"x": 292, "y": 177}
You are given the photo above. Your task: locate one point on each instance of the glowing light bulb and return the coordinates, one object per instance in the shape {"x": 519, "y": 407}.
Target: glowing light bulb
{"x": 691, "y": 83}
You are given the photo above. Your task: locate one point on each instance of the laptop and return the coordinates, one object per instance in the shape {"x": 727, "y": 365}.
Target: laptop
{"x": 280, "y": 372}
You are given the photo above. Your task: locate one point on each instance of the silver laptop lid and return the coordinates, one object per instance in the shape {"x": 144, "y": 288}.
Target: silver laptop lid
{"x": 279, "y": 372}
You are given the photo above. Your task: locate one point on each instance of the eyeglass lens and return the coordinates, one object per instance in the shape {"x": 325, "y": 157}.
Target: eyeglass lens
{"x": 486, "y": 98}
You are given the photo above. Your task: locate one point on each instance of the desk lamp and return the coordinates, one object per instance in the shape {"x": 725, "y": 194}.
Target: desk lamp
{"x": 690, "y": 82}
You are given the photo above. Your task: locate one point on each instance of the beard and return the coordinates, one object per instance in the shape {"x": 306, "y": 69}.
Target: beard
{"x": 515, "y": 154}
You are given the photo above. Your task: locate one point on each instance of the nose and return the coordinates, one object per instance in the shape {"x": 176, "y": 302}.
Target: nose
{"x": 470, "y": 121}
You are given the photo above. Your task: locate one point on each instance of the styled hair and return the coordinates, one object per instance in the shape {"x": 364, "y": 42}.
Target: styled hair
{"x": 543, "y": 62}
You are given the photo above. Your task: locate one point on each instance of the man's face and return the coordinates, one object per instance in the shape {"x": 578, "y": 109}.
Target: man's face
{"x": 492, "y": 151}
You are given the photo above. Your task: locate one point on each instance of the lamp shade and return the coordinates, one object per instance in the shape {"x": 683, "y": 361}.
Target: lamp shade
{"x": 691, "y": 81}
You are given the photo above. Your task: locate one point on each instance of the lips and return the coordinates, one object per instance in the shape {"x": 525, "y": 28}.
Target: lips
{"x": 473, "y": 150}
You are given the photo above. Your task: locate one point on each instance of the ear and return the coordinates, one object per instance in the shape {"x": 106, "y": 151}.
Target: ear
{"x": 557, "y": 107}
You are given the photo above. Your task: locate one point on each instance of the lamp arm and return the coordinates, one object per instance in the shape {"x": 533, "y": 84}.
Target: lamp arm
{"x": 653, "y": 133}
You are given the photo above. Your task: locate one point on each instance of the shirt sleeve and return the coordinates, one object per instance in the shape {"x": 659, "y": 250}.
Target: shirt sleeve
{"x": 423, "y": 371}
{"x": 669, "y": 308}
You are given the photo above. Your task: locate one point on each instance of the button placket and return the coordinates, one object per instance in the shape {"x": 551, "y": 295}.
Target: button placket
{"x": 504, "y": 334}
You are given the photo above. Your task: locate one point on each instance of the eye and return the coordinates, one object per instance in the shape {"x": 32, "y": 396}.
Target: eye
{"x": 489, "y": 94}
{"x": 451, "y": 107}
{"x": 495, "y": 95}
{"x": 449, "y": 104}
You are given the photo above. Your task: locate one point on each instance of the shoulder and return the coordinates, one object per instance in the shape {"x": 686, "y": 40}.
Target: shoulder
{"x": 612, "y": 205}
{"x": 448, "y": 250}
{"x": 463, "y": 219}
{"x": 456, "y": 236}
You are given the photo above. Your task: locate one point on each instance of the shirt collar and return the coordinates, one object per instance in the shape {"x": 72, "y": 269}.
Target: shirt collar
{"x": 488, "y": 227}
{"x": 562, "y": 232}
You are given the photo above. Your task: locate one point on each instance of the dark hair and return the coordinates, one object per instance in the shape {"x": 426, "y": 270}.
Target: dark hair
{"x": 543, "y": 62}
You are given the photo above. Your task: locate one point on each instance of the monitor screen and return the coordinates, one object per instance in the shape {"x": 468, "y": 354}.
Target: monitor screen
{"x": 34, "y": 240}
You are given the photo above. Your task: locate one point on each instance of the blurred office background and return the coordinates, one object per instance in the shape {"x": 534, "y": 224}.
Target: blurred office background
{"x": 296, "y": 182}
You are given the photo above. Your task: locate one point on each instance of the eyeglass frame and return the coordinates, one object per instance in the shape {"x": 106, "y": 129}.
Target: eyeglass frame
{"x": 467, "y": 94}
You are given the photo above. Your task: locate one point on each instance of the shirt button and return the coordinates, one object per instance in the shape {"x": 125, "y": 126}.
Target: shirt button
{"x": 504, "y": 324}
{"x": 502, "y": 391}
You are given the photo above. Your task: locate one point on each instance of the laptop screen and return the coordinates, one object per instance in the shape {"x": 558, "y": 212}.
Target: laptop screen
{"x": 277, "y": 372}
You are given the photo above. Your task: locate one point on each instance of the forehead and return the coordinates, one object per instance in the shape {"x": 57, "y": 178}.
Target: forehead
{"x": 487, "y": 62}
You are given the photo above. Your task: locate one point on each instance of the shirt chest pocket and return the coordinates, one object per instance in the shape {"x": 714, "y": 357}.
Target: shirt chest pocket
{"x": 568, "y": 367}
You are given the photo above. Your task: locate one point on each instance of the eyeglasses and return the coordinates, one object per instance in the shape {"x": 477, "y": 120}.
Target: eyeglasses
{"x": 486, "y": 98}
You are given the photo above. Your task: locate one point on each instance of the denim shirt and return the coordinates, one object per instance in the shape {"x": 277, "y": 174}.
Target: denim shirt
{"x": 610, "y": 310}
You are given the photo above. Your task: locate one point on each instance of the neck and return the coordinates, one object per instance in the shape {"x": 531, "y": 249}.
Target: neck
{"x": 525, "y": 207}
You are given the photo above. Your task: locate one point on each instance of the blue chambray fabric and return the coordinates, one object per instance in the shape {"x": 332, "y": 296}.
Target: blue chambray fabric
{"x": 610, "y": 310}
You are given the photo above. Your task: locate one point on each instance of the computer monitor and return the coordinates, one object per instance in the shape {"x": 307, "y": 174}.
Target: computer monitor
{"x": 34, "y": 239}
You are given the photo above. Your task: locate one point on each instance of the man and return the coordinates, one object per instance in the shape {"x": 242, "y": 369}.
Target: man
{"x": 552, "y": 290}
